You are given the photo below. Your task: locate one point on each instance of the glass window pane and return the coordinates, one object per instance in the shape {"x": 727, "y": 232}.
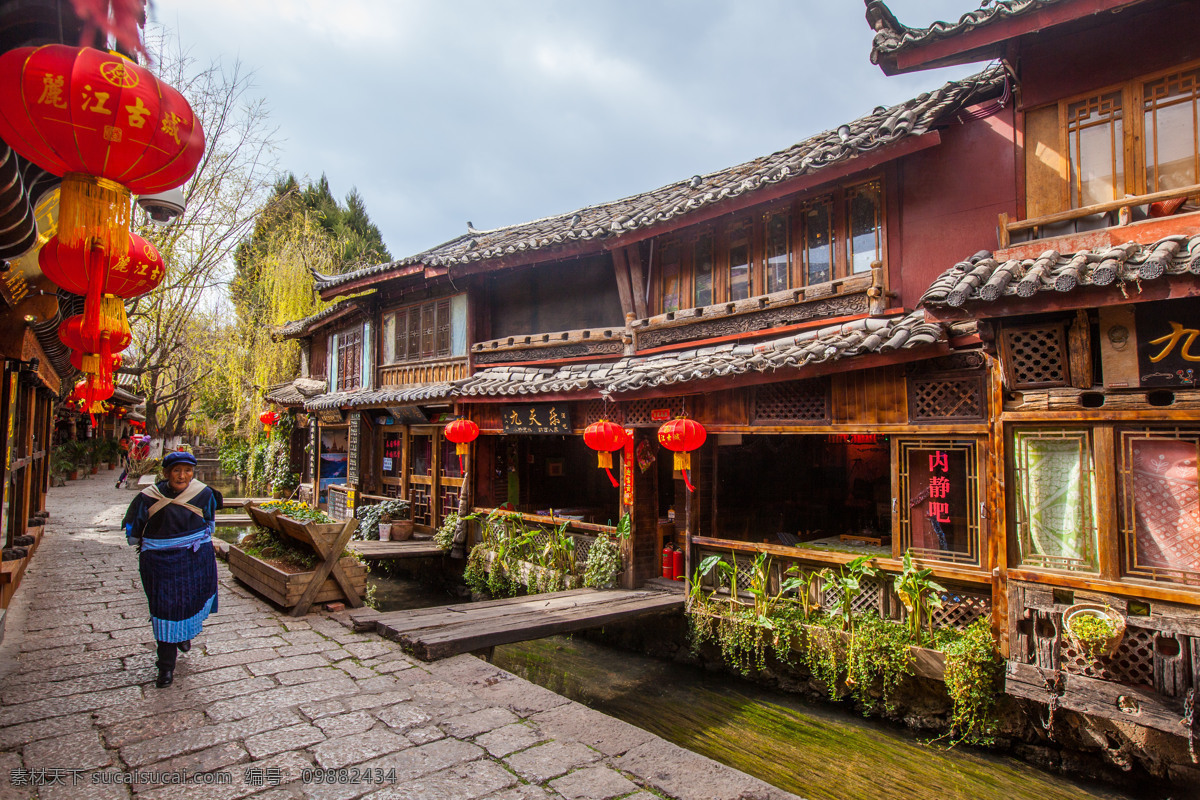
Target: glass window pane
{"x": 458, "y": 325}
{"x": 1172, "y": 157}
{"x": 739, "y": 264}
{"x": 818, "y": 243}
{"x": 703, "y": 283}
{"x": 1161, "y": 505}
{"x": 420, "y": 455}
{"x": 864, "y": 242}
{"x": 1095, "y": 136}
{"x": 1055, "y": 499}
{"x": 393, "y": 456}
{"x": 939, "y": 487}
{"x": 451, "y": 466}
{"x": 669, "y": 284}
{"x": 779, "y": 253}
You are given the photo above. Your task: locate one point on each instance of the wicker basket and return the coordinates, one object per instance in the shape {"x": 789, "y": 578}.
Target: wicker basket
{"x": 1095, "y": 649}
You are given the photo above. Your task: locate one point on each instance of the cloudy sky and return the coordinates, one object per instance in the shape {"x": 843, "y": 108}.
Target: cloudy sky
{"x": 501, "y": 111}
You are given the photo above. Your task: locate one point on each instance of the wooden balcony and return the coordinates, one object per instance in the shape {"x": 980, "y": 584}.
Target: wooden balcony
{"x": 1096, "y": 226}
{"x": 419, "y": 372}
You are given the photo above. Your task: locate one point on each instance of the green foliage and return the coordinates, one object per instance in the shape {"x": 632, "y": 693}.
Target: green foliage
{"x": 444, "y": 537}
{"x": 370, "y": 516}
{"x": 515, "y": 549}
{"x": 475, "y": 575}
{"x": 919, "y": 594}
{"x": 848, "y": 585}
{"x": 603, "y": 564}
{"x": 233, "y": 455}
{"x": 974, "y": 671}
{"x": 268, "y": 545}
{"x": 879, "y": 659}
{"x": 61, "y": 462}
{"x": 1093, "y": 633}
{"x": 294, "y": 509}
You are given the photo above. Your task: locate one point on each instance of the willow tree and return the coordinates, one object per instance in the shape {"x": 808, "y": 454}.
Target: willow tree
{"x": 230, "y": 186}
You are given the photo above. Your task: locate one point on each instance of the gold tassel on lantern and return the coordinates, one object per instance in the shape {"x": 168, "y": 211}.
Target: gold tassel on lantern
{"x": 94, "y": 211}
{"x": 90, "y": 362}
{"x": 462, "y": 448}
{"x": 683, "y": 461}
{"x": 604, "y": 457}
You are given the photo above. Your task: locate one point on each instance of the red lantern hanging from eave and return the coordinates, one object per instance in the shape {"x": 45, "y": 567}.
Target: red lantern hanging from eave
{"x": 604, "y": 437}
{"x": 91, "y": 392}
{"x": 78, "y": 270}
{"x": 94, "y": 364}
{"x": 462, "y": 432}
{"x": 682, "y": 436}
{"x": 108, "y": 126}
{"x": 268, "y": 419}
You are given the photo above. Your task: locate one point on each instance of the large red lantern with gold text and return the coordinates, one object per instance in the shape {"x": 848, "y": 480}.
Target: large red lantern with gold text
{"x": 128, "y": 276}
{"x": 106, "y": 125}
{"x": 91, "y": 392}
{"x": 682, "y": 436}
{"x": 462, "y": 432}
{"x": 604, "y": 437}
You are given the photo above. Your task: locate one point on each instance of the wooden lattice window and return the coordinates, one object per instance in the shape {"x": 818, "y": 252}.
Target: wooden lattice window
{"x": 449, "y": 500}
{"x": 938, "y": 506}
{"x": 946, "y": 397}
{"x": 1160, "y": 504}
{"x": 1035, "y": 356}
{"x": 795, "y": 401}
{"x": 349, "y": 359}
{"x": 596, "y": 410}
{"x": 422, "y": 507}
{"x": 1055, "y": 499}
{"x": 1096, "y": 147}
{"x": 425, "y": 331}
{"x": 642, "y": 412}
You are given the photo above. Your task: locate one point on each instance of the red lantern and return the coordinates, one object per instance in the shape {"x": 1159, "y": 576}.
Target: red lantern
{"x": 682, "y": 435}
{"x": 268, "y": 419}
{"x": 73, "y": 268}
{"x": 604, "y": 437}
{"x": 107, "y": 125}
{"x": 91, "y": 392}
{"x": 462, "y": 432}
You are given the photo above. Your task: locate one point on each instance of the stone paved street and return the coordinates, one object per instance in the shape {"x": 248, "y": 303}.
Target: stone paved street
{"x": 276, "y": 703}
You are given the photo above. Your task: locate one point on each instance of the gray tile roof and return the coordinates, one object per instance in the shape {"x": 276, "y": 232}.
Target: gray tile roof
{"x": 819, "y": 346}
{"x": 883, "y": 127}
{"x": 891, "y": 36}
{"x": 301, "y": 327}
{"x": 981, "y": 278}
{"x": 295, "y": 392}
{"x": 392, "y": 396}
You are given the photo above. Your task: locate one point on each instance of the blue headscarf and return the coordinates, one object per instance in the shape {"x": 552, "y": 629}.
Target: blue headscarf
{"x": 176, "y": 457}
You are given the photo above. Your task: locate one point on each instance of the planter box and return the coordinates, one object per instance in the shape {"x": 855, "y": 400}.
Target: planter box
{"x": 526, "y": 572}
{"x": 285, "y": 588}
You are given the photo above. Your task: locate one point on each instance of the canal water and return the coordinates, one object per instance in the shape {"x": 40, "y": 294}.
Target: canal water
{"x": 818, "y": 752}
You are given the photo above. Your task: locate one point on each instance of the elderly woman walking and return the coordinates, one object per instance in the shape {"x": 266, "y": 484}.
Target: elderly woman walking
{"x": 172, "y": 523}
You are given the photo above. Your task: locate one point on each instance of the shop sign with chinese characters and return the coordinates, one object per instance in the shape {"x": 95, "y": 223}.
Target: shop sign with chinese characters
{"x": 541, "y": 418}
{"x": 1168, "y": 353}
{"x": 939, "y": 486}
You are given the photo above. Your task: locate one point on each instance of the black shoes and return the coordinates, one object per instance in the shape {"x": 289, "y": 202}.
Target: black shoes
{"x": 165, "y": 678}
{"x": 185, "y": 646}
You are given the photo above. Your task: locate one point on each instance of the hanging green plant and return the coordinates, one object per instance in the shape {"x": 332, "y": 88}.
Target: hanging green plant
{"x": 879, "y": 660}
{"x": 974, "y": 670}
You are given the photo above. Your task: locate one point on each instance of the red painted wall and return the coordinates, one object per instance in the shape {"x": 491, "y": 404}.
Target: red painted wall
{"x": 950, "y": 198}
{"x": 1107, "y": 49}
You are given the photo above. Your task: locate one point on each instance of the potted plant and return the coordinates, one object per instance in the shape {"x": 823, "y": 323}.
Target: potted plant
{"x": 75, "y": 452}
{"x": 1096, "y": 629}
{"x": 395, "y": 514}
{"x": 61, "y": 465}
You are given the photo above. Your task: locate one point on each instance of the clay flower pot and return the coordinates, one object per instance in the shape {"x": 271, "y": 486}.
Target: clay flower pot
{"x": 402, "y": 530}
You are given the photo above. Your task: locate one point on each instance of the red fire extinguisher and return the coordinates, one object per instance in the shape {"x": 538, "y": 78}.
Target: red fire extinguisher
{"x": 668, "y": 562}
{"x": 677, "y": 558}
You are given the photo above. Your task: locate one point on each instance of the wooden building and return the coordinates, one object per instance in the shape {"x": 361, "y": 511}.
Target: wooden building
{"x": 866, "y": 388}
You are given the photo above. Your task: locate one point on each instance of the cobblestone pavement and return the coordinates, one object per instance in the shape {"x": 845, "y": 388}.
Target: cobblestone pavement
{"x": 274, "y": 704}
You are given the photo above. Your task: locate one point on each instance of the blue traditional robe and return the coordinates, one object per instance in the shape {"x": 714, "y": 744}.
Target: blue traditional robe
{"x": 177, "y": 563}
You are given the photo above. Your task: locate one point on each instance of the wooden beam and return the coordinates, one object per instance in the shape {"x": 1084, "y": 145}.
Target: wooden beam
{"x": 637, "y": 277}
{"x": 621, "y": 270}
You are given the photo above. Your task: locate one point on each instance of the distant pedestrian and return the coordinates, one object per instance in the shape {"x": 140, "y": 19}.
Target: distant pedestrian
{"x": 172, "y": 523}
{"x": 123, "y": 443}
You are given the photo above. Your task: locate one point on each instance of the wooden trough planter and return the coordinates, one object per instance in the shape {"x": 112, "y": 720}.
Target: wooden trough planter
{"x": 527, "y": 573}
{"x": 334, "y": 579}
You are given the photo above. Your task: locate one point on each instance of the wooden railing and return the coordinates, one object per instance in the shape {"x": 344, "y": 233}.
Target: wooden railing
{"x": 423, "y": 372}
{"x": 1008, "y": 227}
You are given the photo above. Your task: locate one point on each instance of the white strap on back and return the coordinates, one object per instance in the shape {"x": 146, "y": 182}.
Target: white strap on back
{"x": 193, "y": 489}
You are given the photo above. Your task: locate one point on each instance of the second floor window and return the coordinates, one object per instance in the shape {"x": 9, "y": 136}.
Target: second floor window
{"x": 807, "y": 242}
{"x": 431, "y": 330}
{"x": 348, "y": 356}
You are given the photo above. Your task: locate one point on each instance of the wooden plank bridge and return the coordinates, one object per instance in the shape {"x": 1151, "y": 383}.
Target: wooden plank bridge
{"x": 442, "y": 631}
{"x": 411, "y": 548}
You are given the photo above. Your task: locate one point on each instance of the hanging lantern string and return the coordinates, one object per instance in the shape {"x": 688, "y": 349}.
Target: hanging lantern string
{"x": 687, "y": 481}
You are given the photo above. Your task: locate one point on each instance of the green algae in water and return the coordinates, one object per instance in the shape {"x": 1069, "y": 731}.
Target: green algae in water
{"x": 820, "y": 753}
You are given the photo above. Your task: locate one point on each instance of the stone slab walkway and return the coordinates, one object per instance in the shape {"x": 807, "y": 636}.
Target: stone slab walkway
{"x": 267, "y": 706}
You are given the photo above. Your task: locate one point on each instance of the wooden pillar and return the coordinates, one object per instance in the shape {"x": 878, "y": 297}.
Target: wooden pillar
{"x": 7, "y": 399}
{"x": 995, "y": 526}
